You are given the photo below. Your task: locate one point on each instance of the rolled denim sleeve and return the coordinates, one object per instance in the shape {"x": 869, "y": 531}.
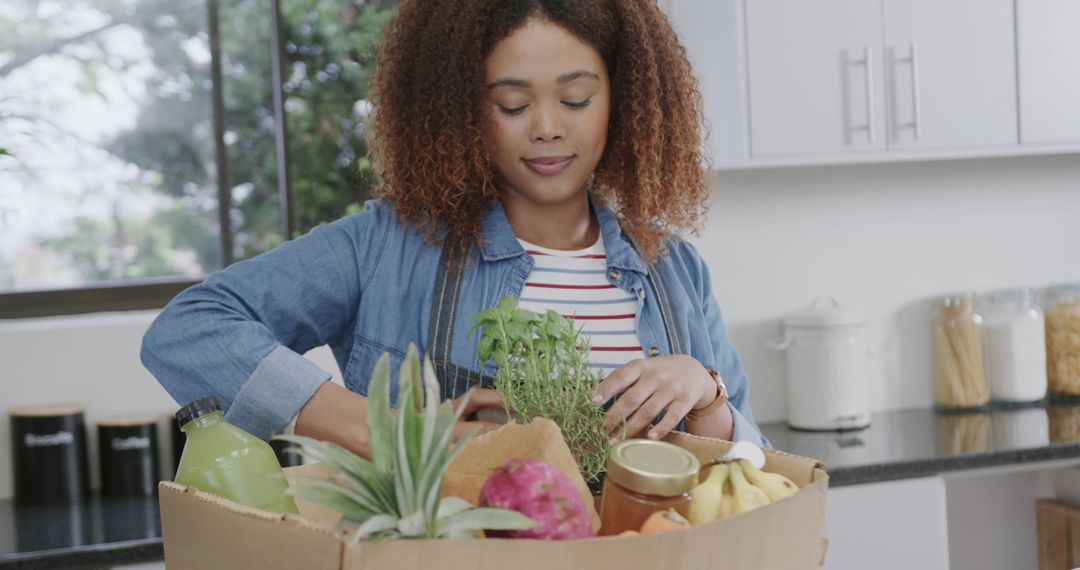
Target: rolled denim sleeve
{"x": 241, "y": 334}
{"x": 727, "y": 362}
{"x": 746, "y": 430}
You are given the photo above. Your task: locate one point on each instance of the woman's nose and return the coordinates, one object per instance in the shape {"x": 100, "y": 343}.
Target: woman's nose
{"x": 546, "y": 124}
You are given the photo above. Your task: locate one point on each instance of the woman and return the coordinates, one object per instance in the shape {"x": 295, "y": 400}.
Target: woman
{"x": 514, "y": 139}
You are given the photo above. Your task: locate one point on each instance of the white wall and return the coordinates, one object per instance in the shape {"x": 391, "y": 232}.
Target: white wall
{"x": 885, "y": 238}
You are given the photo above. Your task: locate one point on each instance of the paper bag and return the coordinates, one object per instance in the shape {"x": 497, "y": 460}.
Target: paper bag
{"x": 541, "y": 440}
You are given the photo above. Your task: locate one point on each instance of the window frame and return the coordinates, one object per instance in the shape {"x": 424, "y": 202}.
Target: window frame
{"x": 156, "y": 293}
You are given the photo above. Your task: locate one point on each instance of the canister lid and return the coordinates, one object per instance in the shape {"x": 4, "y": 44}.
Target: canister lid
{"x": 1063, "y": 292}
{"x": 653, "y": 467}
{"x": 47, "y": 410}
{"x": 825, "y": 312}
{"x": 127, "y": 421}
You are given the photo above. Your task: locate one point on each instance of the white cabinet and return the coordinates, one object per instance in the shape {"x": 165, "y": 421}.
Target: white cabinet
{"x": 791, "y": 82}
{"x": 952, "y": 73}
{"x": 898, "y": 525}
{"x": 1048, "y": 47}
{"x": 815, "y": 76}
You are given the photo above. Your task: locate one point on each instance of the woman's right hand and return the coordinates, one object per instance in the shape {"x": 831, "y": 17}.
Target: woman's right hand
{"x": 481, "y": 398}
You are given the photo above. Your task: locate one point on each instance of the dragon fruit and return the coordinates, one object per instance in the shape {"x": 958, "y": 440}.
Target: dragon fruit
{"x": 541, "y": 492}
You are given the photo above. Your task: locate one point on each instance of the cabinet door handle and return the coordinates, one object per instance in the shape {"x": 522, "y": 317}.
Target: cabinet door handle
{"x": 913, "y": 59}
{"x": 868, "y": 61}
{"x": 869, "y": 92}
{"x": 914, "y": 49}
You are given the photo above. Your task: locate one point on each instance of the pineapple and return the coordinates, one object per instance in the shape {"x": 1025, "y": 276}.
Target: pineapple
{"x": 396, "y": 494}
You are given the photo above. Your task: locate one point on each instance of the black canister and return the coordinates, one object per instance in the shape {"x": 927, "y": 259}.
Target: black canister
{"x": 49, "y": 454}
{"x": 128, "y": 449}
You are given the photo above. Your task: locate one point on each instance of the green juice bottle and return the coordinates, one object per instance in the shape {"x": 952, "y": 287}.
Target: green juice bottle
{"x": 225, "y": 460}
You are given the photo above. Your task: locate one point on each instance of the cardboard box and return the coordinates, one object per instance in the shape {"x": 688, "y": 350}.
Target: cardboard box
{"x": 1057, "y": 527}
{"x": 204, "y": 531}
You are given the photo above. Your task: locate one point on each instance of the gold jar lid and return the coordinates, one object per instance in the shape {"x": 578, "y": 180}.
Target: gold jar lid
{"x": 653, "y": 467}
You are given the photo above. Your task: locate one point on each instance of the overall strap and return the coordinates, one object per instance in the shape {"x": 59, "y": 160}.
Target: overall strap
{"x": 667, "y": 313}
{"x": 448, "y": 278}
{"x": 454, "y": 380}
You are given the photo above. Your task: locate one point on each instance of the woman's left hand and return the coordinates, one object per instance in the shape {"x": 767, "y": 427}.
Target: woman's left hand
{"x": 672, "y": 384}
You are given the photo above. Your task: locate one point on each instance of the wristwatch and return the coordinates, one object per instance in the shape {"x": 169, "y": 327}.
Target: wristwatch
{"x": 721, "y": 398}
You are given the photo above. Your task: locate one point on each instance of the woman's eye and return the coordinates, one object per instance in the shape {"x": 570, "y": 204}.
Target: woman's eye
{"x": 578, "y": 104}
{"x": 512, "y": 110}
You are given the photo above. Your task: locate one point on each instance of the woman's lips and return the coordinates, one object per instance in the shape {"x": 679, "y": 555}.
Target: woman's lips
{"x": 548, "y": 165}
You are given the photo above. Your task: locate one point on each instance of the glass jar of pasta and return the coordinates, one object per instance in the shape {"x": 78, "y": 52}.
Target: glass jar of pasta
{"x": 958, "y": 352}
{"x": 1063, "y": 339}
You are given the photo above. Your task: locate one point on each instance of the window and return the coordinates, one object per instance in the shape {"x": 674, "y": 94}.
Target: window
{"x": 142, "y": 145}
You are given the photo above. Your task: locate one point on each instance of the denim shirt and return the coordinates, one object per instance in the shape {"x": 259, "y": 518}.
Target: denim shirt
{"x": 364, "y": 286}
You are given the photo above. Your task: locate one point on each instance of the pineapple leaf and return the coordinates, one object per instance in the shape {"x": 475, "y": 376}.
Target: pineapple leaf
{"x": 373, "y": 526}
{"x": 412, "y": 356}
{"x": 409, "y": 379}
{"x": 413, "y": 526}
{"x": 381, "y": 490}
{"x": 438, "y": 465}
{"x": 404, "y": 487}
{"x": 380, "y": 424}
{"x": 431, "y": 409}
{"x": 451, "y": 506}
{"x": 460, "y": 535}
{"x": 431, "y": 482}
{"x": 485, "y": 518}
{"x": 330, "y": 453}
{"x": 362, "y": 497}
{"x": 359, "y": 472}
{"x": 333, "y": 499}
{"x": 414, "y": 432}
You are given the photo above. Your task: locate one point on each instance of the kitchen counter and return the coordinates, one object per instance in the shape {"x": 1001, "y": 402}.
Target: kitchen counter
{"x": 101, "y": 532}
{"x": 897, "y": 445}
{"x": 905, "y": 444}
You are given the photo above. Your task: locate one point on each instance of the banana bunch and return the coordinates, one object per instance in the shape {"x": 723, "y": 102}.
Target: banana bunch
{"x": 735, "y": 487}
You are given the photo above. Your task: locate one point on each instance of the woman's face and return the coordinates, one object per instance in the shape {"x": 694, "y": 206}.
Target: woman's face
{"x": 548, "y": 105}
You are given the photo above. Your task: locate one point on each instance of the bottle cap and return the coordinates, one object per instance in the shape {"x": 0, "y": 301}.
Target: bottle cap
{"x": 197, "y": 409}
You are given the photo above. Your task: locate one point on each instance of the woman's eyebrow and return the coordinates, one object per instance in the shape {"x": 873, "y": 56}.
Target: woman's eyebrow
{"x": 564, "y": 78}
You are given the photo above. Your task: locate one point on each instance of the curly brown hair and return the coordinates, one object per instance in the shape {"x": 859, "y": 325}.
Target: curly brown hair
{"x": 429, "y": 111}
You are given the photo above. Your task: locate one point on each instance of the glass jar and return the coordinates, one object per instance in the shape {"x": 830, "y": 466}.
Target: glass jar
{"x": 961, "y": 380}
{"x": 959, "y": 434}
{"x": 1014, "y": 343}
{"x": 1064, "y": 422}
{"x": 1063, "y": 338}
{"x": 645, "y": 476}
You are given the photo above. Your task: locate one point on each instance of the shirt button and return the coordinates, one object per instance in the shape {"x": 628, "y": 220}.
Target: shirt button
{"x": 641, "y": 294}
{"x": 614, "y": 274}
{"x": 654, "y": 351}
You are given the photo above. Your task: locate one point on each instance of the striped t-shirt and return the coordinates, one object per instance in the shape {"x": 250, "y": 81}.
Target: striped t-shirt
{"x": 574, "y": 284}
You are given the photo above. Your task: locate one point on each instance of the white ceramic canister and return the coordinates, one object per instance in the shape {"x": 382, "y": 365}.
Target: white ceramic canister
{"x": 826, "y": 353}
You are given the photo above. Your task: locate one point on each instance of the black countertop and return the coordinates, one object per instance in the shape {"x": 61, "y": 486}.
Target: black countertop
{"x": 897, "y": 445}
{"x": 919, "y": 442}
{"x": 100, "y": 532}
